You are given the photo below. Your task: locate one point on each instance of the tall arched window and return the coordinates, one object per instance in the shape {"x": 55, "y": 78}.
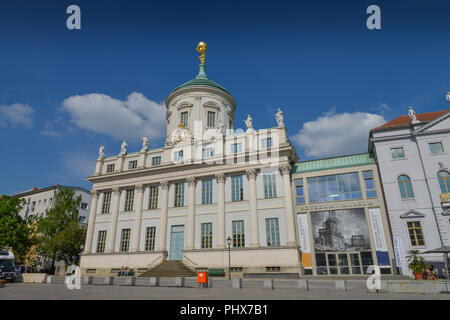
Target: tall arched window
{"x": 404, "y": 183}
{"x": 444, "y": 181}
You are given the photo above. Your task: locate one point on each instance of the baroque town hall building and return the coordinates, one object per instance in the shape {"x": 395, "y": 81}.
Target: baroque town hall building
{"x": 208, "y": 188}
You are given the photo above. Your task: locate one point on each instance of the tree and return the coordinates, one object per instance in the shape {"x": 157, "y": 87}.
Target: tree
{"x": 61, "y": 234}
{"x": 15, "y": 233}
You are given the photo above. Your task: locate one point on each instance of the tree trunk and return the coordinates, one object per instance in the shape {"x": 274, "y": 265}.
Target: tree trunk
{"x": 52, "y": 268}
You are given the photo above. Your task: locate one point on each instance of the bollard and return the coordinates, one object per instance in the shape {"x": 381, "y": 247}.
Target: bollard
{"x": 109, "y": 281}
{"x": 210, "y": 283}
{"x": 268, "y": 284}
{"x": 130, "y": 281}
{"x": 179, "y": 281}
{"x": 87, "y": 280}
{"x": 236, "y": 283}
{"x": 341, "y": 285}
{"x": 154, "y": 281}
{"x": 303, "y": 285}
{"x": 51, "y": 279}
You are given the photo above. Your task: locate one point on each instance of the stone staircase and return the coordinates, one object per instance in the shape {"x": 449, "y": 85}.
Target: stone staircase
{"x": 169, "y": 268}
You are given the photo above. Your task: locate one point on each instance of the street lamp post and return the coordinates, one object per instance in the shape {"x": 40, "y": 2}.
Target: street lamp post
{"x": 229, "y": 257}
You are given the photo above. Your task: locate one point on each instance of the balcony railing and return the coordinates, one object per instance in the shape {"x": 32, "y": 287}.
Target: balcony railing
{"x": 445, "y": 199}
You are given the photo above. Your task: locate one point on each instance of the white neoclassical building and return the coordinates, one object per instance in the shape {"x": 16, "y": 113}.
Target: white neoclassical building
{"x": 412, "y": 152}
{"x": 208, "y": 183}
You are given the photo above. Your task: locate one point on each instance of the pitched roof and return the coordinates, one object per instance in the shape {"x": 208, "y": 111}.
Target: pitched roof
{"x": 404, "y": 121}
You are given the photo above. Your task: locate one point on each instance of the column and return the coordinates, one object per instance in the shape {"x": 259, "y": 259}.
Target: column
{"x": 113, "y": 223}
{"x": 190, "y": 229}
{"x": 254, "y": 232}
{"x": 220, "y": 178}
{"x": 138, "y": 218}
{"x": 91, "y": 223}
{"x": 288, "y": 207}
{"x": 163, "y": 215}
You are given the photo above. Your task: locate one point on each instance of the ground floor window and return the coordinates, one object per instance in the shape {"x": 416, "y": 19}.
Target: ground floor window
{"x": 335, "y": 263}
{"x": 125, "y": 240}
{"x": 101, "y": 241}
{"x": 150, "y": 236}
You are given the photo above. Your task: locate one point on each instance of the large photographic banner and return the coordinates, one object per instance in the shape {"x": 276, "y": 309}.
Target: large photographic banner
{"x": 340, "y": 230}
{"x": 305, "y": 245}
{"x": 379, "y": 237}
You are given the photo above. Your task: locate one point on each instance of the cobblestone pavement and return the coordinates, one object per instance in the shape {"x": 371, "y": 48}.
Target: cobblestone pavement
{"x": 221, "y": 290}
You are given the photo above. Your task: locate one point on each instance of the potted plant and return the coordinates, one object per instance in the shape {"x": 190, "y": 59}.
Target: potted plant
{"x": 416, "y": 264}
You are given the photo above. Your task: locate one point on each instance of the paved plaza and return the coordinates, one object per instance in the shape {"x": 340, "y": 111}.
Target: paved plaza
{"x": 221, "y": 290}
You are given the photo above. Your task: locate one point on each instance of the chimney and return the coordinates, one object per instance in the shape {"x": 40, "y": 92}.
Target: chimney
{"x": 34, "y": 189}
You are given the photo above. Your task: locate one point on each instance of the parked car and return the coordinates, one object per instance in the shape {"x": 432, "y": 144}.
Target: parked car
{"x": 7, "y": 267}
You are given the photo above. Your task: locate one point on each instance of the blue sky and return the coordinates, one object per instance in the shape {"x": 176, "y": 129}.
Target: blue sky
{"x": 333, "y": 78}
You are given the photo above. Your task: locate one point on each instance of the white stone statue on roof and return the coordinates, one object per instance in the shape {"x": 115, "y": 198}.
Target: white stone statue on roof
{"x": 101, "y": 152}
{"x": 144, "y": 144}
{"x": 279, "y": 117}
{"x": 249, "y": 123}
{"x": 123, "y": 148}
{"x": 412, "y": 115}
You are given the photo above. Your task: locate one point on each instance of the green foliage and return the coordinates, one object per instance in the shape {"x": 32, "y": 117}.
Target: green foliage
{"x": 416, "y": 262}
{"x": 61, "y": 234}
{"x": 15, "y": 233}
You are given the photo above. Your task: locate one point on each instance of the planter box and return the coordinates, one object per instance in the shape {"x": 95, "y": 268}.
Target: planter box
{"x": 33, "y": 277}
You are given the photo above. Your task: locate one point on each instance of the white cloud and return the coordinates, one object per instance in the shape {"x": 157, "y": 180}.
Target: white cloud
{"x": 16, "y": 114}
{"x": 135, "y": 117}
{"x": 337, "y": 133}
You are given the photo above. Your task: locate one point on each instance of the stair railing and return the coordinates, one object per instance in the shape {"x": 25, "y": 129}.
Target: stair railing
{"x": 191, "y": 264}
{"x": 152, "y": 264}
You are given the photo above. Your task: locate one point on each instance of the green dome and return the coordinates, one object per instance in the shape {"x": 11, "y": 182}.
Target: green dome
{"x": 201, "y": 80}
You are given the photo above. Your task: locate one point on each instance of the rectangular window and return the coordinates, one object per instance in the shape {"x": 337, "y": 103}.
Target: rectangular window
{"x": 397, "y": 153}
{"x": 370, "y": 185}
{"x": 211, "y": 119}
{"x": 178, "y": 155}
{"x": 101, "y": 241}
{"x": 237, "y": 190}
{"x": 334, "y": 187}
{"x": 179, "y": 194}
{"x": 83, "y": 205}
{"x": 415, "y": 233}
{"x": 300, "y": 196}
{"x": 272, "y": 232}
{"x": 125, "y": 240}
{"x": 436, "y": 147}
{"x": 110, "y": 168}
{"x": 208, "y": 152}
{"x": 184, "y": 119}
{"x": 206, "y": 191}
{"x": 156, "y": 161}
{"x": 238, "y": 233}
{"x": 266, "y": 143}
{"x": 153, "y": 198}
{"x": 33, "y": 205}
{"x": 206, "y": 241}
{"x": 270, "y": 186}
{"x": 106, "y": 202}
{"x": 150, "y": 237}
{"x": 236, "y": 148}
{"x": 230, "y": 124}
{"x": 132, "y": 164}
{"x": 129, "y": 199}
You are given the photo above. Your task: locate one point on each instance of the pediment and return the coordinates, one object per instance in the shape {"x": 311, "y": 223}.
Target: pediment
{"x": 441, "y": 123}
{"x": 412, "y": 214}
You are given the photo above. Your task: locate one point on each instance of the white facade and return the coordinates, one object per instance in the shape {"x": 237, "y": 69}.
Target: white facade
{"x": 424, "y": 203}
{"x": 206, "y": 148}
{"x": 38, "y": 201}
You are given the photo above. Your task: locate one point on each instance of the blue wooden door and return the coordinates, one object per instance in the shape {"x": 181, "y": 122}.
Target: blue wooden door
{"x": 176, "y": 242}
